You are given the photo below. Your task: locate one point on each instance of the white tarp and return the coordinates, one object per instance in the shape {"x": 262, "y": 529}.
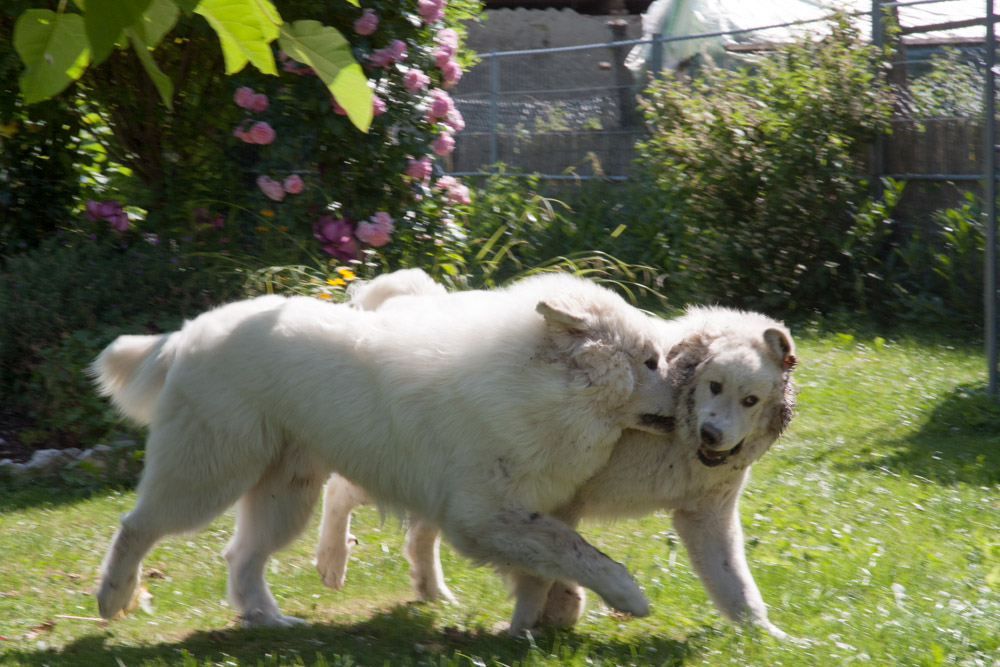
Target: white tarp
{"x": 675, "y": 18}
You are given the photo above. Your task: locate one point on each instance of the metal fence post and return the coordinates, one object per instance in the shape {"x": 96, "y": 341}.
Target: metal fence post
{"x": 990, "y": 194}
{"x": 494, "y": 108}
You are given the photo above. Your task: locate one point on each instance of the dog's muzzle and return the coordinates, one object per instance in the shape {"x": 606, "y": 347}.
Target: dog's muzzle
{"x": 712, "y": 458}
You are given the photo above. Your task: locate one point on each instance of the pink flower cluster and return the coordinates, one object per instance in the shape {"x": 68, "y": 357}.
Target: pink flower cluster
{"x": 419, "y": 169}
{"x": 415, "y": 80}
{"x": 367, "y": 23}
{"x": 246, "y": 98}
{"x": 441, "y": 108}
{"x": 258, "y": 132}
{"x": 456, "y": 192}
{"x": 393, "y": 53}
{"x": 376, "y": 231}
{"x": 444, "y": 56}
{"x": 249, "y": 131}
{"x": 109, "y": 210}
{"x": 431, "y": 11}
{"x": 276, "y": 190}
{"x": 336, "y": 237}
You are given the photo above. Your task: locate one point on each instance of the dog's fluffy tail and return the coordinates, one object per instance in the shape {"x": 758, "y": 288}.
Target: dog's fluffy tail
{"x": 132, "y": 370}
{"x": 406, "y": 282}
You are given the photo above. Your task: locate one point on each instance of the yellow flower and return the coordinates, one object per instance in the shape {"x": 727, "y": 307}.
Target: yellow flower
{"x": 346, "y": 273}
{"x": 324, "y": 295}
{"x": 262, "y": 228}
{"x": 335, "y": 281}
{"x": 283, "y": 228}
{"x": 267, "y": 213}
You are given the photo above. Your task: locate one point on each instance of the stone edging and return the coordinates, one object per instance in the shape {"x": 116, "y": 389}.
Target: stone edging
{"x": 116, "y": 459}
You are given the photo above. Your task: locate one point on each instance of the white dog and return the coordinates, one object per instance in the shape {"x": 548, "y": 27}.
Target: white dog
{"x": 480, "y": 411}
{"x": 734, "y": 398}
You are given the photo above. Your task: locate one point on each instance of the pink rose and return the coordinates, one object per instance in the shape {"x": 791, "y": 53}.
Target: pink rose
{"x": 443, "y": 144}
{"x": 270, "y": 187}
{"x": 459, "y": 194}
{"x": 258, "y": 103}
{"x": 240, "y": 133}
{"x": 419, "y": 169}
{"x": 261, "y": 133}
{"x": 455, "y": 120}
{"x": 439, "y": 109}
{"x": 367, "y": 23}
{"x": 451, "y": 72}
{"x": 378, "y": 105}
{"x": 447, "y": 36}
{"x": 443, "y": 54}
{"x": 397, "y": 49}
{"x": 415, "y": 80}
{"x": 336, "y": 237}
{"x": 446, "y": 182}
{"x": 431, "y": 11}
{"x": 376, "y": 232}
{"x": 293, "y": 184}
{"x": 243, "y": 97}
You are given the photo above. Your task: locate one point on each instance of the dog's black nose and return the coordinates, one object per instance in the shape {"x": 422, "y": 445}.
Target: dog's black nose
{"x": 710, "y": 435}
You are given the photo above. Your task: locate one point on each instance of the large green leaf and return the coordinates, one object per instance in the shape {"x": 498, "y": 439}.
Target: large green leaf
{"x": 246, "y": 29}
{"x": 162, "y": 82}
{"x": 159, "y": 19}
{"x": 106, "y": 20}
{"x": 54, "y": 50}
{"x": 327, "y": 51}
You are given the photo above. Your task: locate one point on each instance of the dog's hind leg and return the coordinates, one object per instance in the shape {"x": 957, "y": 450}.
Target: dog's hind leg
{"x": 268, "y": 517}
{"x": 422, "y": 551}
{"x": 514, "y": 537}
{"x": 335, "y": 539}
{"x": 173, "y": 497}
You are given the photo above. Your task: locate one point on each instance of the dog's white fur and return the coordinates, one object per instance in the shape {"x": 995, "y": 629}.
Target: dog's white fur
{"x": 480, "y": 411}
{"x": 722, "y": 358}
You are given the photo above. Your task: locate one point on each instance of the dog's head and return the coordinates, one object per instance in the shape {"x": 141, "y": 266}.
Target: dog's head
{"x": 734, "y": 388}
{"x": 615, "y": 352}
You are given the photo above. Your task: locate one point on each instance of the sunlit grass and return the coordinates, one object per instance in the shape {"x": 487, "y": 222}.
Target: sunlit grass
{"x": 873, "y": 530}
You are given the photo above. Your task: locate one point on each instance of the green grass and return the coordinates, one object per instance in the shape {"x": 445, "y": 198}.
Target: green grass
{"x": 873, "y": 530}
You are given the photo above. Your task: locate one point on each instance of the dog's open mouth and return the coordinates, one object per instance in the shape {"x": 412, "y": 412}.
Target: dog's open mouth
{"x": 663, "y": 423}
{"x": 712, "y": 458}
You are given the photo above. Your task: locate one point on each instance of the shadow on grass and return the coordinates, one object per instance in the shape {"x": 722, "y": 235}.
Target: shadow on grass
{"x": 405, "y": 634}
{"x": 53, "y": 492}
{"x": 958, "y": 443}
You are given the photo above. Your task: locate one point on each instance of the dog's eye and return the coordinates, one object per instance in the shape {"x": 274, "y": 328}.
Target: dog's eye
{"x": 715, "y": 387}
{"x": 652, "y": 363}
{"x": 750, "y": 401}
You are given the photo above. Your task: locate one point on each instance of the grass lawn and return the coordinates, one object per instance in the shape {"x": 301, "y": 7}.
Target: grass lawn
{"x": 873, "y": 530}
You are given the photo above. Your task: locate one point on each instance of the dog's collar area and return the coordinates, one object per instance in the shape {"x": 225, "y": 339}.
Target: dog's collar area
{"x": 663, "y": 423}
{"x": 712, "y": 458}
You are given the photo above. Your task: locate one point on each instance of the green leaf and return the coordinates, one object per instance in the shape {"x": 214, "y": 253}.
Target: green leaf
{"x": 159, "y": 19}
{"x": 246, "y": 29}
{"x": 162, "y": 82}
{"x": 187, "y": 6}
{"x": 54, "y": 50}
{"x": 327, "y": 51}
{"x": 105, "y": 21}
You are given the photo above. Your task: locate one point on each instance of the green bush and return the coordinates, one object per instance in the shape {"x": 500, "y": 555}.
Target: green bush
{"x": 65, "y": 300}
{"x": 763, "y": 173}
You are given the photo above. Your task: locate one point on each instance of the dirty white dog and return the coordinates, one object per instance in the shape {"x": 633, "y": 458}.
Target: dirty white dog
{"x": 734, "y": 397}
{"x": 482, "y": 412}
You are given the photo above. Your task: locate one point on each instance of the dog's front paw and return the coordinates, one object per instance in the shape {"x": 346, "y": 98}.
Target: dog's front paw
{"x": 116, "y": 599}
{"x": 624, "y": 595}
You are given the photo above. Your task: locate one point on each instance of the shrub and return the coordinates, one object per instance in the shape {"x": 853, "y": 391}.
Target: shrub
{"x": 65, "y": 300}
{"x": 764, "y": 173}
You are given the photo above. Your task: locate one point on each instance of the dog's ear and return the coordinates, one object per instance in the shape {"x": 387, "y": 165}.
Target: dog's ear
{"x": 560, "y": 319}
{"x": 779, "y": 343}
{"x": 687, "y": 354}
